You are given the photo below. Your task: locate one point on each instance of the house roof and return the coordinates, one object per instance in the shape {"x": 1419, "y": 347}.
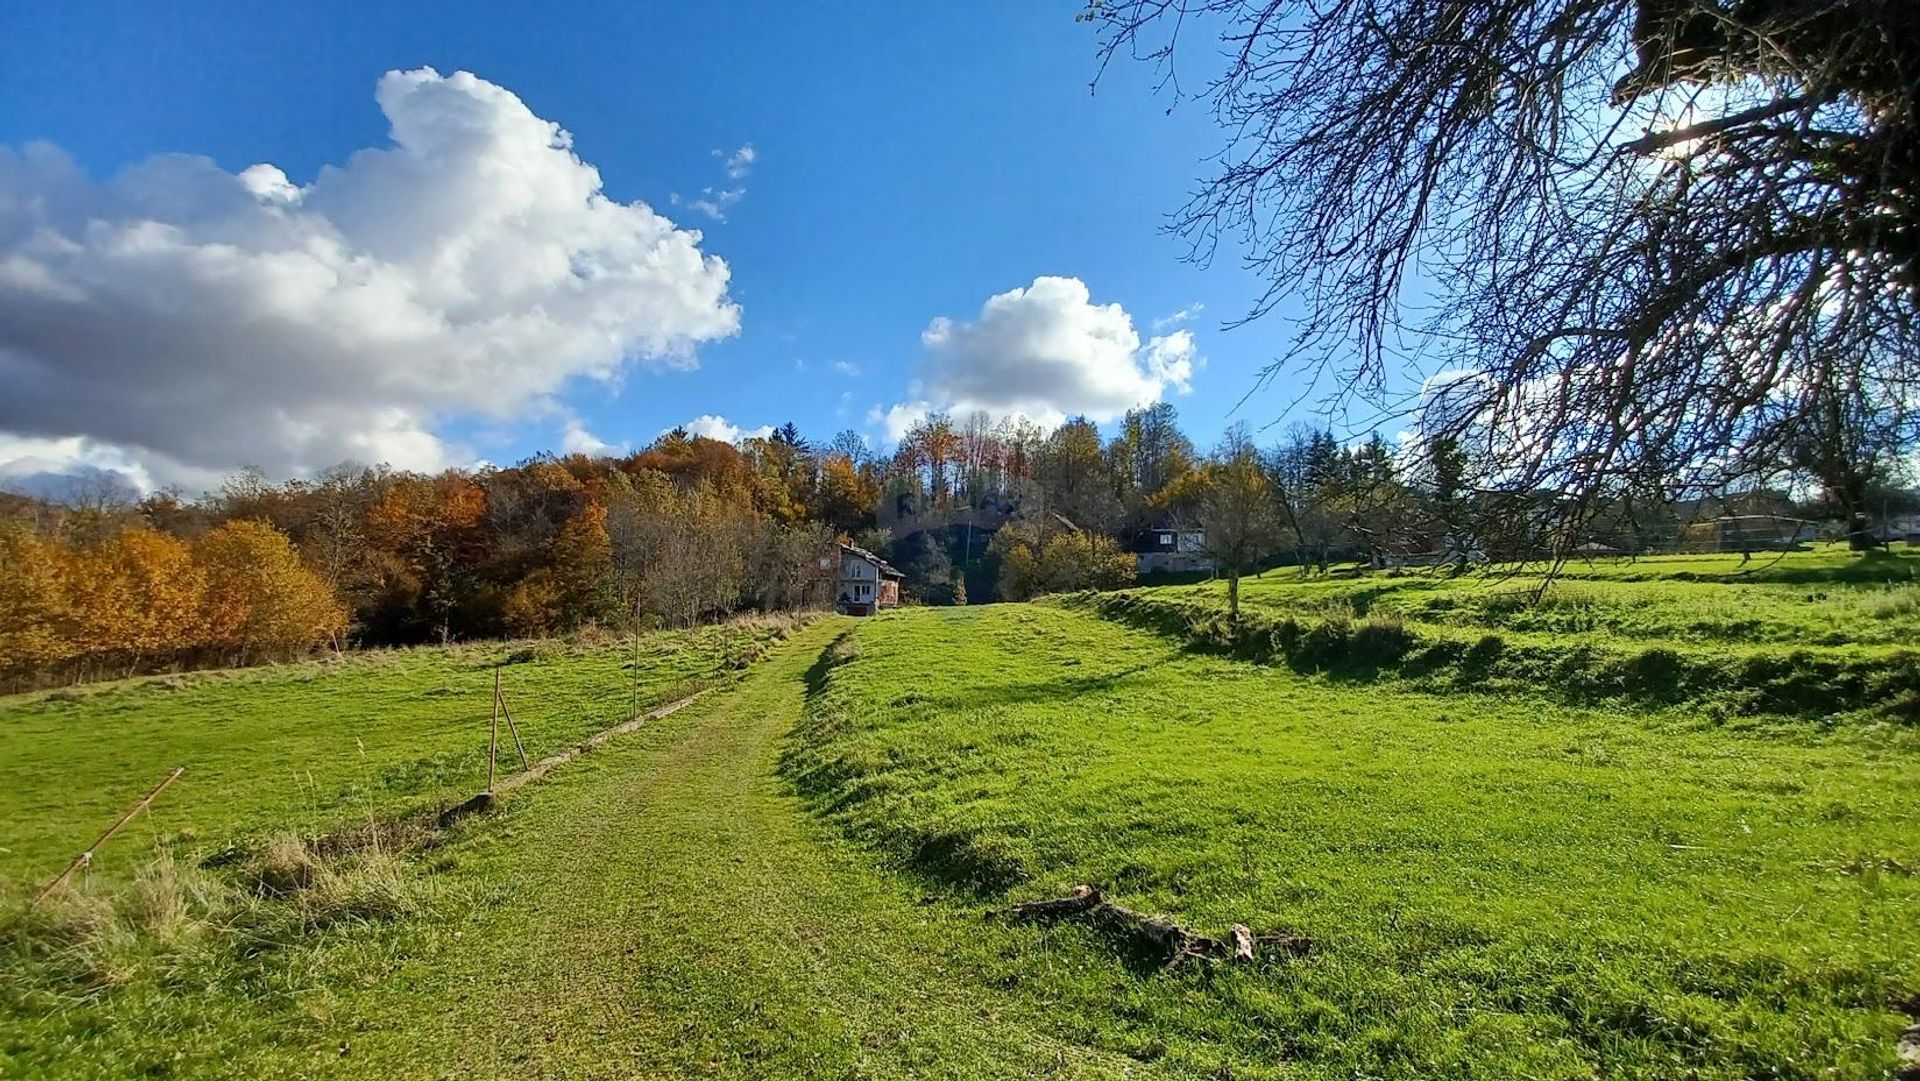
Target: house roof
{"x": 885, "y": 567}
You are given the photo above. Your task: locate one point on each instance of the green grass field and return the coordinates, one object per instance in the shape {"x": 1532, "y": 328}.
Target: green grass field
{"x": 1502, "y": 888}
{"x": 306, "y": 746}
{"x": 789, "y": 878}
{"x": 1819, "y": 598}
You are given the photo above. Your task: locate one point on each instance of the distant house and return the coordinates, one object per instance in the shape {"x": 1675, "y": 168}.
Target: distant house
{"x": 1171, "y": 548}
{"x": 867, "y": 582}
{"x": 1898, "y": 527}
{"x": 1748, "y": 532}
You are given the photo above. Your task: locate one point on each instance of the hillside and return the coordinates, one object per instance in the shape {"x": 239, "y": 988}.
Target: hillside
{"x": 1495, "y": 886}
{"x": 788, "y": 877}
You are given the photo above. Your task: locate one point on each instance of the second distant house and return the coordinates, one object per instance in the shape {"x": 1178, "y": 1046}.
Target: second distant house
{"x": 867, "y": 582}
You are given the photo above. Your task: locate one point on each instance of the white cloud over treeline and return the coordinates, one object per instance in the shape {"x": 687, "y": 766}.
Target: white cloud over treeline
{"x": 182, "y": 320}
{"x": 715, "y": 426}
{"x": 1045, "y": 352}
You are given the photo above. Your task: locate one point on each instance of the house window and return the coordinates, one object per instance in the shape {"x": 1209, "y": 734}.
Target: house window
{"x": 1166, "y": 538}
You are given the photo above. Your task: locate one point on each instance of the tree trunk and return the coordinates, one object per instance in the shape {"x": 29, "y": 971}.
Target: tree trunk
{"x": 1859, "y": 534}
{"x": 1233, "y": 592}
{"x": 1850, "y": 491}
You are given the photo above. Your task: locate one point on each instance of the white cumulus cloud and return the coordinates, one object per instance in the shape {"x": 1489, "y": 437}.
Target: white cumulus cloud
{"x": 575, "y": 438}
{"x": 715, "y": 426}
{"x": 896, "y": 420}
{"x": 1045, "y": 352}
{"x": 190, "y": 320}
{"x": 740, "y": 162}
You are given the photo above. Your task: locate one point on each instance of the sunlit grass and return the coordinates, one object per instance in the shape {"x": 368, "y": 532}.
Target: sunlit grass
{"x": 1503, "y": 886}
{"x": 1817, "y": 598}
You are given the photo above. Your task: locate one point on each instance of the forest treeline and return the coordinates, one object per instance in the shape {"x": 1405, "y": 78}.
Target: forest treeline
{"x": 691, "y": 529}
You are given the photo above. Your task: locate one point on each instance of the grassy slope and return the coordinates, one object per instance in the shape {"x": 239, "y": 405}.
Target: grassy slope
{"x": 302, "y": 746}
{"x": 1503, "y": 887}
{"x": 661, "y": 908}
{"x": 1819, "y": 598}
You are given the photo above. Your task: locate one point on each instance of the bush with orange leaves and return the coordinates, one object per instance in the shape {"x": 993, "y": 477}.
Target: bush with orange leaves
{"x": 139, "y": 600}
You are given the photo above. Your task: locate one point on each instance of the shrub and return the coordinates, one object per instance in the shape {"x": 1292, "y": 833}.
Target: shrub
{"x": 1380, "y": 642}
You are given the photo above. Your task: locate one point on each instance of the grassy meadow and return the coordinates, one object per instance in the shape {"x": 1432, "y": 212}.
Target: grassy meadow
{"x": 1825, "y": 597}
{"x": 311, "y": 746}
{"x": 1520, "y": 848}
{"x": 1499, "y": 886}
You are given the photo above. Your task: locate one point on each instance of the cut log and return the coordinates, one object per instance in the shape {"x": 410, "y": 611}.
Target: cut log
{"x": 1284, "y": 942}
{"x": 1907, "y": 1052}
{"x": 1175, "y": 942}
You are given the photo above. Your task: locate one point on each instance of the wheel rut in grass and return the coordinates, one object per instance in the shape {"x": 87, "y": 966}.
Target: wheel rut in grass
{"x": 669, "y": 909}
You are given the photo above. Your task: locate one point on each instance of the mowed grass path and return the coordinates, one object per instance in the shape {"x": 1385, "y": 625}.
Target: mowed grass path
{"x": 1501, "y": 887}
{"x": 675, "y": 913}
{"x": 664, "y": 907}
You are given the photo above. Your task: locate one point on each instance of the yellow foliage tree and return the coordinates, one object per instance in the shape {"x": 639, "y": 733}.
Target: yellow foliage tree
{"x": 583, "y": 566}
{"x": 137, "y": 596}
{"x": 260, "y": 598}
{"x": 34, "y": 616}
{"x": 535, "y": 607}
{"x": 1083, "y": 560}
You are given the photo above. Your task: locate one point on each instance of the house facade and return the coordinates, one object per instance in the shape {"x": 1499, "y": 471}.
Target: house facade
{"x": 867, "y": 582}
{"x": 1171, "y": 549}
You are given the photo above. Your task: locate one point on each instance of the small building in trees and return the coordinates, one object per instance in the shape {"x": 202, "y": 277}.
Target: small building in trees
{"x": 1168, "y": 547}
{"x": 867, "y": 582}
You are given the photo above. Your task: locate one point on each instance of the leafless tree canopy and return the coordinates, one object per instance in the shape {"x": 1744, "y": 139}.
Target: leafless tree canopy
{"x": 1668, "y": 242}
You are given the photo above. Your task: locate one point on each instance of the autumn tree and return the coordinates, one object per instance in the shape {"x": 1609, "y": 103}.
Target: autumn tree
{"x": 583, "y": 567}
{"x": 136, "y": 597}
{"x": 846, "y": 496}
{"x": 1147, "y": 455}
{"x": 1070, "y": 467}
{"x": 261, "y": 600}
{"x": 1033, "y": 561}
{"x": 35, "y": 632}
{"x": 1235, "y": 511}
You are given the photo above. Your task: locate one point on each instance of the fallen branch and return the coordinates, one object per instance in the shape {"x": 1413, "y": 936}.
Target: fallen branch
{"x": 1157, "y": 934}
{"x": 1080, "y": 900}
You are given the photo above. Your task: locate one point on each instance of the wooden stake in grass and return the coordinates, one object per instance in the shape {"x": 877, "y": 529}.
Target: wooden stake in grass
{"x": 633, "y": 709}
{"x": 493, "y": 741}
{"x": 500, "y": 709}
{"x": 85, "y": 859}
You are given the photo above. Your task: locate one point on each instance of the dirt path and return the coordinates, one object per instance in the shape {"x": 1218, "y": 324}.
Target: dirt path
{"x": 669, "y": 910}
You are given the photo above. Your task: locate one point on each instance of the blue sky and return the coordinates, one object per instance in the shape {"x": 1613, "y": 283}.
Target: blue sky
{"x": 905, "y": 167}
